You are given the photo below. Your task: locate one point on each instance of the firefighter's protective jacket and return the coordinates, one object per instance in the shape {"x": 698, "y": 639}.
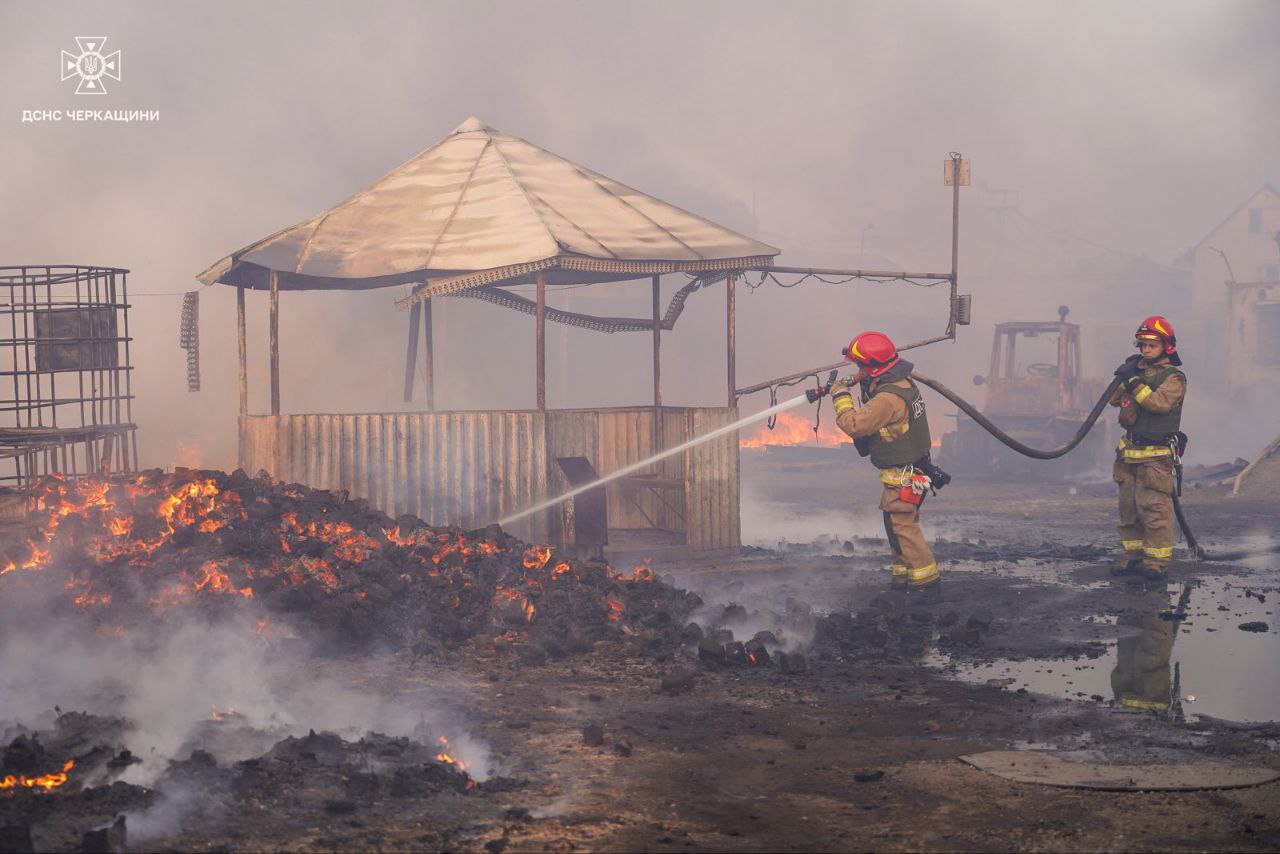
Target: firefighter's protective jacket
{"x": 1153, "y": 409}
{"x": 892, "y": 417}
{"x": 881, "y": 412}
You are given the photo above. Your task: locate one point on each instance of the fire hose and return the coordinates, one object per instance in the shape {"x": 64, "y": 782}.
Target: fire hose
{"x": 1053, "y": 453}
{"x": 1026, "y": 450}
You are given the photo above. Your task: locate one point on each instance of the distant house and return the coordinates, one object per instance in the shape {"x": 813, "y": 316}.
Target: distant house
{"x": 1236, "y": 276}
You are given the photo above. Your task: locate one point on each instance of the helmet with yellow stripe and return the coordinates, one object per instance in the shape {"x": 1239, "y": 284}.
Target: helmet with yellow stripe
{"x": 873, "y": 352}
{"x": 1157, "y": 328}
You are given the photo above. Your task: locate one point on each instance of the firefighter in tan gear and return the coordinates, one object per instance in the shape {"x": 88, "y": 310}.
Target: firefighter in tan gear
{"x": 1150, "y": 401}
{"x": 891, "y": 426}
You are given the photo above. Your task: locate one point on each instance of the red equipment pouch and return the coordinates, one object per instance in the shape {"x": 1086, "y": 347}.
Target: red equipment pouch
{"x": 914, "y": 489}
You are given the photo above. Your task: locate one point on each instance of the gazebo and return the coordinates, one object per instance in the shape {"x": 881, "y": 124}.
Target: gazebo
{"x": 474, "y": 214}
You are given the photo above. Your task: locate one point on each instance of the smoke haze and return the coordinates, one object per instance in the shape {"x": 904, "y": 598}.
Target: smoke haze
{"x": 1126, "y": 131}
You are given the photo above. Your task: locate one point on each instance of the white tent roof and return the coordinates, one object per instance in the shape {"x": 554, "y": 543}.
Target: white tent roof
{"x": 481, "y": 200}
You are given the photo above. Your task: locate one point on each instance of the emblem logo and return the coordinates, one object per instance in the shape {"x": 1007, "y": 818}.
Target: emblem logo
{"x": 91, "y": 66}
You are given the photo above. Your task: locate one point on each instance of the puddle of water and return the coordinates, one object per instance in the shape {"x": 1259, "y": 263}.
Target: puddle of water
{"x": 1218, "y": 669}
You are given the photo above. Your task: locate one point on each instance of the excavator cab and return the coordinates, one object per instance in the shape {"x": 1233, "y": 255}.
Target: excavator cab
{"x": 1035, "y": 393}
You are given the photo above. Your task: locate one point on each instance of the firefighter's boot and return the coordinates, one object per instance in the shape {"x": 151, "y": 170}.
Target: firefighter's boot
{"x": 1153, "y": 572}
{"x": 923, "y": 577}
{"x": 1131, "y": 566}
{"x": 898, "y": 575}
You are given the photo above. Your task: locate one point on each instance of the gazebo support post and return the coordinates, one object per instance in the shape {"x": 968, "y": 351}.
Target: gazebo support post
{"x": 429, "y": 364}
{"x": 730, "y": 336}
{"x": 657, "y": 366}
{"x": 540, "y": 315}
{"x": 275, "y": 343}
{"x": 411, "y": 350}
{"x": 243, "y": 349}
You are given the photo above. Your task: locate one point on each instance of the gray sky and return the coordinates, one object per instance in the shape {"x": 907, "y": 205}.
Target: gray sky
{"x": 1138, "y": 125}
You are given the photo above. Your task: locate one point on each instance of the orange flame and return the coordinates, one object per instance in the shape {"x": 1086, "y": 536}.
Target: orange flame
{"x": 643, "y": 570}
{"x": 446, "y": 758}
{"x": 791, "y": 429}
{"x": 44, "y": 783}
{"x": 536, "y": 557}
{"x": 216, "y": 581}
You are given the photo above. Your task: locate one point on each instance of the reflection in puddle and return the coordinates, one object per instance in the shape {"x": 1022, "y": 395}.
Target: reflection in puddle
{"x": 1204, "y": 663}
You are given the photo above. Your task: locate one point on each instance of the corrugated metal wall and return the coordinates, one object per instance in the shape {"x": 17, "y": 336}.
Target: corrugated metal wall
{"x": 471, "y": 468}
{"x": 456, "y": 468}
{"x": 713, "y": 493}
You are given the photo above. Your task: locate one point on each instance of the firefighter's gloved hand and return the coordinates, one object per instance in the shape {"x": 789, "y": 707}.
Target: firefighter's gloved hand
{"x": 1129, "y": 370}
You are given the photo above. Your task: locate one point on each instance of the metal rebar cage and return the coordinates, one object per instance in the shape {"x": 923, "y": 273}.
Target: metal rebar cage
{"x": 66, "y": 389}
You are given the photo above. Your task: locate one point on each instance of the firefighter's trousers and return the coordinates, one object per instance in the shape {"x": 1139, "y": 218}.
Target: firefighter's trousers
{"x": 906, "y": 540}
{"x": 1146, "y": 510}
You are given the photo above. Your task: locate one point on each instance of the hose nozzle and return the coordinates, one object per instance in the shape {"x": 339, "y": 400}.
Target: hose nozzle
{"x": 816, "y": 394}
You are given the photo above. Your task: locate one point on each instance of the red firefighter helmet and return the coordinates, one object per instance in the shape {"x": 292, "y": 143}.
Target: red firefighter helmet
{"x": 873, "y": 352}
{"x": 1158, "y": 328}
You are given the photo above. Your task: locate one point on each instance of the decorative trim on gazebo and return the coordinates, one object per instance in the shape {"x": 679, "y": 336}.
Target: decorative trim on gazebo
{"x": 514, "y": 273}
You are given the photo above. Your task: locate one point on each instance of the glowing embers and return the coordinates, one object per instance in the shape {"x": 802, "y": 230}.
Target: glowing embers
{"x": 212, "y": 546}
{"x": 222, "y": 717}
{"x": 536, "y": 557}
{"x": 348, "y": 544}
{"x": 643, "y": 571}
{"x": 512, "y": 605}
{"x": 433, "y": 548}
{"x": 210, "y": 579}
{"x": 791, "y": 429}
{"x": 118, "y": 520}
{"x": 84, "y": 598}
{"x": 43, "y": 783}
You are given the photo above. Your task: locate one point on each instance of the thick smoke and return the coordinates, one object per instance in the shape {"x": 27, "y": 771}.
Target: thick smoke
{"x": 168, "y": 678}
{"x": 818, "y": 127}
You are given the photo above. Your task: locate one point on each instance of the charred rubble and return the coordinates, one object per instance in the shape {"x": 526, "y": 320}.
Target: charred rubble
{"x": 88, "y": 807}
{"x": 129, "y": 556}
{"x": 120, "y": 551}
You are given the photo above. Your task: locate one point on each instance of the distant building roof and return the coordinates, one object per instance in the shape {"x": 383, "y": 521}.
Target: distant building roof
{"x": 1265, "y": 188}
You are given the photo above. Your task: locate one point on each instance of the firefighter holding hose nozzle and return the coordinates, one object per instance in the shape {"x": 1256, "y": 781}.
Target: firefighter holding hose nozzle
{"x": 891, "y": 427}
{"x": 1150, "y": 400}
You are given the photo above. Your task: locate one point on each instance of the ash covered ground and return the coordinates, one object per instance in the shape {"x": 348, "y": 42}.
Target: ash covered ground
{"x": 230, "y": 663}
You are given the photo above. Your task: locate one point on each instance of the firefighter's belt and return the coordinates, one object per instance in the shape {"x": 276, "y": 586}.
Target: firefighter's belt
{"x": 897, "y": 476}
{"x": 1142, "y": 452}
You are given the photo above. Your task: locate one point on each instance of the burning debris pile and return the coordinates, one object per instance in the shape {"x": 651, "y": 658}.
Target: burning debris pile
{"x": 122, "y": 551}
{"x": 199, "y": 799}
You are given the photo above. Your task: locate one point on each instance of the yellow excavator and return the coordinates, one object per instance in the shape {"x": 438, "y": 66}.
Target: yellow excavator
{"x": 1036, "y": 394}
